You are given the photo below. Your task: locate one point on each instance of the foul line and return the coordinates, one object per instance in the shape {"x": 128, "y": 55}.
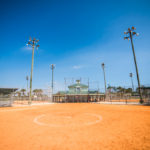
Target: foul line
{"x": 17, "y": 109}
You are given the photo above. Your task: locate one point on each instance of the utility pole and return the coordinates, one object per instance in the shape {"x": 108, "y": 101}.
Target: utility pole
{"x": 103, "y": 67}
{"x": 131, "y": 75}
{"x": 131, "y": 32}
{"x": 33, "y": 44}
{"x": 98, "y": 86}
{"x": 52, "y": 66}
{"x": 27, "y": 78}
{"x": 88, "y": 84}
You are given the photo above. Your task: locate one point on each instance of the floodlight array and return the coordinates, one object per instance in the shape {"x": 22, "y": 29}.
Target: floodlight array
{"x": 130, "y": 33}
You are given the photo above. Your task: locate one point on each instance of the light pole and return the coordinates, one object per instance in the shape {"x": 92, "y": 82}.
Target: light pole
{"x": 131, "y": 32}
{"x": 65, "y": 90}
{"x": 131, "y": 75}
{"x": 27, "y": 78}
{"x": 103, "y": 67}
{"x": 52, "y": 66}
{"x": 33, "y": 44}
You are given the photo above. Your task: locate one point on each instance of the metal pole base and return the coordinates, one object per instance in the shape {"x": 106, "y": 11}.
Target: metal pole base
{"x": 29, "y": 102}
{"x": 141, "y": 101}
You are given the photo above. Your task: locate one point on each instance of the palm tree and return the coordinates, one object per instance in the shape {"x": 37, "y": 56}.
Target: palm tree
{"x": 112, "y": 89}
{"x": 120, "y": 89}
{"x": 38, "y": 92}
{"x": 23, "y": 91}
{"x": 35, "y": 91}
{"x": 18, "y": 93}
{"x": 128, "y": 90}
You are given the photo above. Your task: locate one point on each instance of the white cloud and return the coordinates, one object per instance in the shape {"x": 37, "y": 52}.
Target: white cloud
{"x": 26, "y": 48}
{"x": 77, "y": 67}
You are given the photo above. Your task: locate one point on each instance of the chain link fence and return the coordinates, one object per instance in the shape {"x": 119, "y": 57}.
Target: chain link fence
{"x": 113, "y": 94}
{"x": 127, "y": 95}
{"x": 39, "y": 96}
{"x": 6, "y": 100}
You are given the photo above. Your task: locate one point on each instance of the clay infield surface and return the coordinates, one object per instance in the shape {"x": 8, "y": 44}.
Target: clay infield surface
{"x": 76, "y": 126}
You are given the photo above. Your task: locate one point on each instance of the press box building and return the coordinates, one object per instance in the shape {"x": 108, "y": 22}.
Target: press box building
{"x": 78, "y": 93}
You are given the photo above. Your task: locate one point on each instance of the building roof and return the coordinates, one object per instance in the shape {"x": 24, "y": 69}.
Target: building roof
{"x": 5, "y": 91}
{"x": 78, "y": 85}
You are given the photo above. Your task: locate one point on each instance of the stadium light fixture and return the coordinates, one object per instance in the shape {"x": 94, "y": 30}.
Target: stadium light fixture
{"x": 33, "y": 44}
{"x": 131, "y": 32}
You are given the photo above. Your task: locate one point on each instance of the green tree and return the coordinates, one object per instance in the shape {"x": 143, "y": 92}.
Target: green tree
{"x": 128, "y": 90}
{"x": 38, "y": 92}
{"x": 18, "y": 93}
{"x": 120, "y": 89}
{"x": 23, "y": 91}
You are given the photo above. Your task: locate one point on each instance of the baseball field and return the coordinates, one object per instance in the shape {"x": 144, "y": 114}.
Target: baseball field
{"x": 75, "y": 126}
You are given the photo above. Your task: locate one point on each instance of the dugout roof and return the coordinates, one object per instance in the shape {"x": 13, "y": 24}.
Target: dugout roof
{"x": 6, "y": 91}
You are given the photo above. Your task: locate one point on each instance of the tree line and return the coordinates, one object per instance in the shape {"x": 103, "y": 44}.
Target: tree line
{"x": 23, "y": 92}
{"x": 119, "y": 89}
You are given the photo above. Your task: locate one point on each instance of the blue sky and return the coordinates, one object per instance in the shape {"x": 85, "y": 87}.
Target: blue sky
{"x": 75, "y": 35}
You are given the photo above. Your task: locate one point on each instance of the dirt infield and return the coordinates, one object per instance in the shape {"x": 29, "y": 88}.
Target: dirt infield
{"x": 78, "y": 126}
